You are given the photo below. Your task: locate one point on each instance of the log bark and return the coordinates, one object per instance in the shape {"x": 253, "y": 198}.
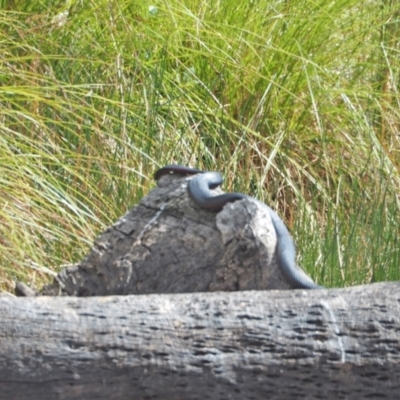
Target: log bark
{"x": 322, "y": 344}
{"x": 333, "y": 344}
{"x": 166, "y": 244}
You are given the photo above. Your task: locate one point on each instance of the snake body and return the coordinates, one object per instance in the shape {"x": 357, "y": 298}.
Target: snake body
{"x": 200, "y": 191}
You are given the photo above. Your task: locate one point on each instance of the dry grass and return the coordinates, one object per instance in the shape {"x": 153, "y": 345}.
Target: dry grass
{"x": 297, "y": 103}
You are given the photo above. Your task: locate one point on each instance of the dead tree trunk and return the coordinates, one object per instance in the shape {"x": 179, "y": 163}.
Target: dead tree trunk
{"x": 166, "y": 244}
{"x": 324, "y": 344}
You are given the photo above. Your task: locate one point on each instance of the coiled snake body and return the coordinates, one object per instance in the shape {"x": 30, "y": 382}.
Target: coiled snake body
{"x": 200, "y": 191}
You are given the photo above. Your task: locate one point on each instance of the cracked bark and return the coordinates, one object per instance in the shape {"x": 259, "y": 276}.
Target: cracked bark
{"x": 330, "y": 344}
{"x": 319, "y": 344}
{"x": 166, "y": 244}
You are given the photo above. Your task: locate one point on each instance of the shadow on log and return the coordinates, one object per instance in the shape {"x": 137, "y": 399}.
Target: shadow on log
{"x": 323, "y": 344}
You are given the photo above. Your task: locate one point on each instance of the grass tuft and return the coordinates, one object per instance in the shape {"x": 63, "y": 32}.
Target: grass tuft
{"x": 296, "y": 102}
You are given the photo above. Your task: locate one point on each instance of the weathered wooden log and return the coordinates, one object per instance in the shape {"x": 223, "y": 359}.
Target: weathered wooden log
{"x": 323, "y": 344}
{"x": 166, "y": 244}
{"x": 242, "y": 345}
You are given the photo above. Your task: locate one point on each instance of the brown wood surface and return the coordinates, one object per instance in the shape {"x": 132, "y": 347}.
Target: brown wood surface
{"x": 321, "y": 344}
{"x": 166, "y": 244}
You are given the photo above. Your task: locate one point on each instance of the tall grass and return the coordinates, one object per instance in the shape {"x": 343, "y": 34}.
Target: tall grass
{"x": 296, "y": 102}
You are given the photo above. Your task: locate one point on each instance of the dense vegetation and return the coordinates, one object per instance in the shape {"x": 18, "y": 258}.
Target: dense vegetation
{"x": 297, "y": 103}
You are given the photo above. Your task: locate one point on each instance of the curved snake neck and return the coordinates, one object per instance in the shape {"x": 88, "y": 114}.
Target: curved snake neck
{"x": 200, "y": 191}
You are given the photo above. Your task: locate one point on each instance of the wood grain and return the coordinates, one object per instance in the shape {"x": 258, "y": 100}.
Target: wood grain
{"x": 330, "y": 344}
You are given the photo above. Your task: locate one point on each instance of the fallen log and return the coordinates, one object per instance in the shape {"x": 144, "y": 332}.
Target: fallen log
{"x": 330, "y": 344}
{"x": 339, "y": 343}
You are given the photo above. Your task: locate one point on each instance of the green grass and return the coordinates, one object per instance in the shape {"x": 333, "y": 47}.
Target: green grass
{"x": 297, "y": 103}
